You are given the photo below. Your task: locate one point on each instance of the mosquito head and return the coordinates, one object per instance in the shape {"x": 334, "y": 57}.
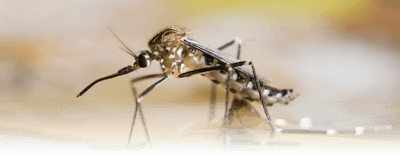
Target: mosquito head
{"x": 144, "y": 59}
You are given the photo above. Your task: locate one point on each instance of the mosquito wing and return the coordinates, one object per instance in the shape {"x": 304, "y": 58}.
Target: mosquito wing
{"x": 224, "y": 58}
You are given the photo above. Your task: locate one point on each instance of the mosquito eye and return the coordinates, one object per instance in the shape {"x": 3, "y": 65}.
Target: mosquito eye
{"x": 144, "y": 60}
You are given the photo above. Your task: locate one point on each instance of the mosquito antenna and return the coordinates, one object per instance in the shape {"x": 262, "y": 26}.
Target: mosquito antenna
{"x": 130, "y": 52}
{"x": 121, "y": 72}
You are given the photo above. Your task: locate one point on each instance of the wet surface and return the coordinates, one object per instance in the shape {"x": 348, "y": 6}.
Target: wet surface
{"x": 77, "y": 126}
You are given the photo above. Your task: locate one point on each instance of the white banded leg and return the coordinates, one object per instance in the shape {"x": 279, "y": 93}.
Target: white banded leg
{"x": 138, "y": 101}
{"x": 265, "y": 105}
{"x": 238, "y": 40}
{"x": 229, "y": 68}
{"x": 226, "y": 117}
{"x": 273, "y": 128}
{"x": 213, "y": 90}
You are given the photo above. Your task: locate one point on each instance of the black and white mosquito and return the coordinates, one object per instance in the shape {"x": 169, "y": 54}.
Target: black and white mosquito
{"x": 181, "y": 57}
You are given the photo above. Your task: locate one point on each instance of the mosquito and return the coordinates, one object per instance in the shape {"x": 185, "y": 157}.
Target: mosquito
{"x": 181, "y": 57}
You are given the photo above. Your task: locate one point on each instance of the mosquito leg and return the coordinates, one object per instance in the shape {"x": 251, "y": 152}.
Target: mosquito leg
{"x": 272, "y": 131}
{"x": 238, "y": 40}
{"x": 239, "y": 48}
{"x": 269, "y": 120}
{"x": 209, "y": 69}
{"x": 133, "y": 88}
{"x": 273, "y": 128}
{"x": 240, "y": 120}
{"x": 229, "y": 67}
{"x": 133, "y": 81}
{"x": 139, "y": 99}
{"x": 226, "y": 119}
{"x": 213, "y": 90}
{"x": 202, "y": 70}
{"x": 147, "y": 77}
{"x": 213, "y": 102}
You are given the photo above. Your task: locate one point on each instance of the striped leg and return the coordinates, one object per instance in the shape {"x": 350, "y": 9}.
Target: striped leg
{"x": 216, "y": 68}
{"x": 209, "y": 69}
{"x": 138, "y": 101}
{"x": 226, "y": 117}
{"x": 228, "y": 67}
{"x": 265, "y": 105}
{"x": 238, "y": 40}
{"x": 273, "y": 128}
{"x": 271, "y": 124}
{"x": 213, "y": 90}
{"x": 213, "y": 86}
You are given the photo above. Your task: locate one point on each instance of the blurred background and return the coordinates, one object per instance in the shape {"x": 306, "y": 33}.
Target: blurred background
{"x": 342, "y": 57}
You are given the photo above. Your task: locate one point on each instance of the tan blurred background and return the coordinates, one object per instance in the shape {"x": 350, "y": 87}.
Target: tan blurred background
{"x": 341, "y": 57}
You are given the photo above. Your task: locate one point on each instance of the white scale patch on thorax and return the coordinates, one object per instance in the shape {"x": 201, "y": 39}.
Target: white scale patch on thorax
{"x": 171, "y": 60}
